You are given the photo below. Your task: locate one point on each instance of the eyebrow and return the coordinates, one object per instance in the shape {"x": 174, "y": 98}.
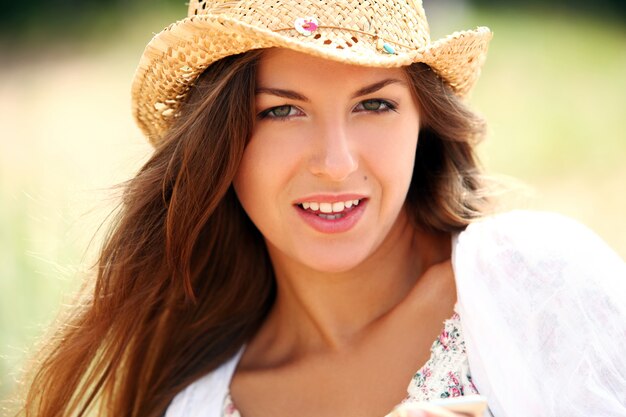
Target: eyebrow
{"x": 293, "y": 95}
{"x": 372, "y": 88}
{"x": 290, "y": 94}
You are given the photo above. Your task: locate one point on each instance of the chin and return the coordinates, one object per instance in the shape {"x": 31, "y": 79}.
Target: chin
{"x": 334, "y": 260}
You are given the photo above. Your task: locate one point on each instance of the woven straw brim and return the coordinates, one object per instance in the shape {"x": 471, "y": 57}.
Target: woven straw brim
{"x": 175, "y": 58}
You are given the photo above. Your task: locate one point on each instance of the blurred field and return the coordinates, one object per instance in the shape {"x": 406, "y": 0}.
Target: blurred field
{"x": 553, "y": 91}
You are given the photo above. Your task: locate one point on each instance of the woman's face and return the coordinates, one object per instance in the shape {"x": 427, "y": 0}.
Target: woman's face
{"x": 325, "y": 174}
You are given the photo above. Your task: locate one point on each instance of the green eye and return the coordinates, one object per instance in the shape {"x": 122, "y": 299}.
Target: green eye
{"x": 375, "y": 106}
{"x": 281, "y": 111}
{"x": 372, "y": 105}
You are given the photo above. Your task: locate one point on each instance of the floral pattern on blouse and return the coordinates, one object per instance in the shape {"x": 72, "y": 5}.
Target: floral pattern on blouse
{"x": 229, "y": 409}
{"x": 445, "y": 374}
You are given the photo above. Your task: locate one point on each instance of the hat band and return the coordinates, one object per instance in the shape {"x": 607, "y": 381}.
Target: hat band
{"x": 307, "y": 26}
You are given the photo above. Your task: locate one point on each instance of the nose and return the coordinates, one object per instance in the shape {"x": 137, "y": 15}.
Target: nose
{"x": 333, "y": 156}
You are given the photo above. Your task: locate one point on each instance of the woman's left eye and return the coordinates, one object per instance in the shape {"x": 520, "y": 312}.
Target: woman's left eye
{"x": 375, "y": 105}
{"x": 279, "y": 112}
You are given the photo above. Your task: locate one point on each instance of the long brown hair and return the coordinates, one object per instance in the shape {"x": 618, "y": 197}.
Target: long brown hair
{"x": 184, "y": 278}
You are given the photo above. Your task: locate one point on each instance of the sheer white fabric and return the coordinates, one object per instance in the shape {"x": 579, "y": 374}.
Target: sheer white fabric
{"x": 542, "y": 302}
{"x": 204, "y": 397}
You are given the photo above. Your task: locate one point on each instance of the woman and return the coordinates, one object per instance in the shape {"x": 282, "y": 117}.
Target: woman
{"x": 307, "y": 238}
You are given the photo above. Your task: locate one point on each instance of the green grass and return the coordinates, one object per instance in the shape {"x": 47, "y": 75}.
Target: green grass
{"x": 552, "y": 89}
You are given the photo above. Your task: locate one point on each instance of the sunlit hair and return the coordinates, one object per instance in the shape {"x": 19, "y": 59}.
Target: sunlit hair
{"x": 184, "y": 278}
{"x": 447, "y": 190}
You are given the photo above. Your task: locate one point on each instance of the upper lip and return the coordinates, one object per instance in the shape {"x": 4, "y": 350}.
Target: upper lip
{"x": 329, "y": 198}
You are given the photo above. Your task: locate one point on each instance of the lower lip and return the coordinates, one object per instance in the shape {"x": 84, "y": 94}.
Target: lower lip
{"x": 340, "y": 225}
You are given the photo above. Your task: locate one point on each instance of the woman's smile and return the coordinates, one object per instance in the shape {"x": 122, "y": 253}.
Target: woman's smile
{"x": 332, "y": 214}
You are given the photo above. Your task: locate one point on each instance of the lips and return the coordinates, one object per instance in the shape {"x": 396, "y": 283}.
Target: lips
{"x": 329, "y": 214}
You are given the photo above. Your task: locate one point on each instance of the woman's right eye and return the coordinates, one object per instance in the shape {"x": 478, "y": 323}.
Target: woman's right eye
{"x": 279, "y": 112}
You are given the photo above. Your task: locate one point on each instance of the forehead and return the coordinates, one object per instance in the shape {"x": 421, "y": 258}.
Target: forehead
{"x": 284, "y": 66}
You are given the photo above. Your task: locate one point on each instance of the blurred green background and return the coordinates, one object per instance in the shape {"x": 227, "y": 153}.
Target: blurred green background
{"x": 553, "y": 90}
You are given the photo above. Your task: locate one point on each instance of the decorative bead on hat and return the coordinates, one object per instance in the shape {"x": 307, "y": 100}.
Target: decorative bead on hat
{"x": 306, "y": 25}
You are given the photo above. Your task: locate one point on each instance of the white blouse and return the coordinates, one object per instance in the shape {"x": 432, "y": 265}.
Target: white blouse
{"x": 542, "y": 307}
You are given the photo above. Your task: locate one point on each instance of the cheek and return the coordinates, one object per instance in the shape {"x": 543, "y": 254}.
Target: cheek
{"x": 391, "y": 150}
{"x": 262, "y": 175}
{"x": 249, "y": 182}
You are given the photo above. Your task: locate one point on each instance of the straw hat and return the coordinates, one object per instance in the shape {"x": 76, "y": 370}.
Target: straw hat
{"x": 376, "y": 33}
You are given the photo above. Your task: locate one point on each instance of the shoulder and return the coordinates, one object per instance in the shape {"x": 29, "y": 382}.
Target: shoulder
{"x": 205, "y": 396}
{"x": 533, "y": 255}
{"x": 527, "y": 229}
{"x": 532, "y": 239}
{"x": 529, "y": 258}
{"x": 542, "y": 298}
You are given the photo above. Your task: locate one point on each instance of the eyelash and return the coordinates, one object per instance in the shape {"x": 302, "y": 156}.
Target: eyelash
{"x": 386, "y": 106}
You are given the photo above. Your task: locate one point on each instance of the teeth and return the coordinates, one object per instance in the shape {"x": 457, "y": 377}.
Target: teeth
{"x": 327, "y": 208}
{"x": 338, "y": 207}
{"x": 331, "y": 216}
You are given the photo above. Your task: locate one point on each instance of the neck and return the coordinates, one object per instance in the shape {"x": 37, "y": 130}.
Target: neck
{"x": 318, "y": 311}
